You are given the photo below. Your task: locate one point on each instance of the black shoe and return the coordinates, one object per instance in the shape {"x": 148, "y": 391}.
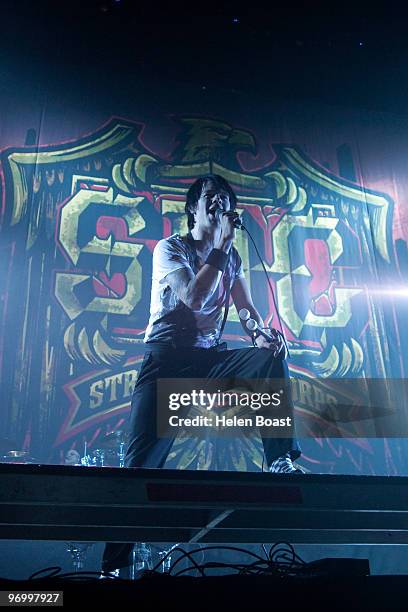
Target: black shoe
{"x": 109, "y": 575}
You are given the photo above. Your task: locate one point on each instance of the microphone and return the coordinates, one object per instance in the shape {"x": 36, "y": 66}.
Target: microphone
{"x": 244, "y": 314}
{"x": 253, "y": 327}
{"x": 236, "y": 222}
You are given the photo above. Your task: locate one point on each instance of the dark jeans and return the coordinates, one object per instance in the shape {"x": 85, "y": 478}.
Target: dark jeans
{"x": 146, "y": 450}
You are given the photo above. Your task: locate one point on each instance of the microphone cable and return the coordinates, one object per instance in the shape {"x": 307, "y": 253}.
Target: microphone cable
{"x": 242, "y": 226}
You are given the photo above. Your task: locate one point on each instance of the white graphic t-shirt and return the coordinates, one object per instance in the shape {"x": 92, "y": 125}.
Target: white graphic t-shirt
{"x": 171, "y": 321}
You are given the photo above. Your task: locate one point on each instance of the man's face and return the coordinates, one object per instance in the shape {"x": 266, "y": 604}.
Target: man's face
{"x": 211, "y": 201}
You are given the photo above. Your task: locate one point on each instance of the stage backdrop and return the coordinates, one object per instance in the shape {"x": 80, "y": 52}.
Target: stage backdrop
{"x": 323, "y": 192}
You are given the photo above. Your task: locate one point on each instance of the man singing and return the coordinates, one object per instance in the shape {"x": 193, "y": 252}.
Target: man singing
{"x": 192, "y": 277}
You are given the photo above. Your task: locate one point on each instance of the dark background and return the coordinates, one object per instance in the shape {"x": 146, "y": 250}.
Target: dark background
{"x": 339, "y": 53}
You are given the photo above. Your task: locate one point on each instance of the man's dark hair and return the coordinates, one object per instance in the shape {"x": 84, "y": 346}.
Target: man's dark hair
{"x": 196, "y": 189}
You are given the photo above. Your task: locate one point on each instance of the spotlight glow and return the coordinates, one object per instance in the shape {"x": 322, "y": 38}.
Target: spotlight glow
{"x": 398, "y": 291}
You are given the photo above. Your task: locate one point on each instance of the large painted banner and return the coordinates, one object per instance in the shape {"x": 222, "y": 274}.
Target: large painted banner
{"x": 80, "y": 220}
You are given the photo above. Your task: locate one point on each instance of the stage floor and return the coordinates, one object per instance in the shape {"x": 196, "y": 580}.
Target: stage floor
{"x": 47, "y": 502}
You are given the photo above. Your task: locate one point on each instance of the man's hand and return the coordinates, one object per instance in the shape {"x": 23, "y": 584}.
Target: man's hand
{"x": 277, "y": 345}
{"x": 227, "y": 228}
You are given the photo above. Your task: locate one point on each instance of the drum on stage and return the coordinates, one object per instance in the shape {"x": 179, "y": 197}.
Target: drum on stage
{"x": 110, "y": 451}
{"x": 15, "y": 456}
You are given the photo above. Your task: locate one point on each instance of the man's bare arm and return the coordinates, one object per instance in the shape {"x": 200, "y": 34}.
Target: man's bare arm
{"x": 194, "y": 291}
